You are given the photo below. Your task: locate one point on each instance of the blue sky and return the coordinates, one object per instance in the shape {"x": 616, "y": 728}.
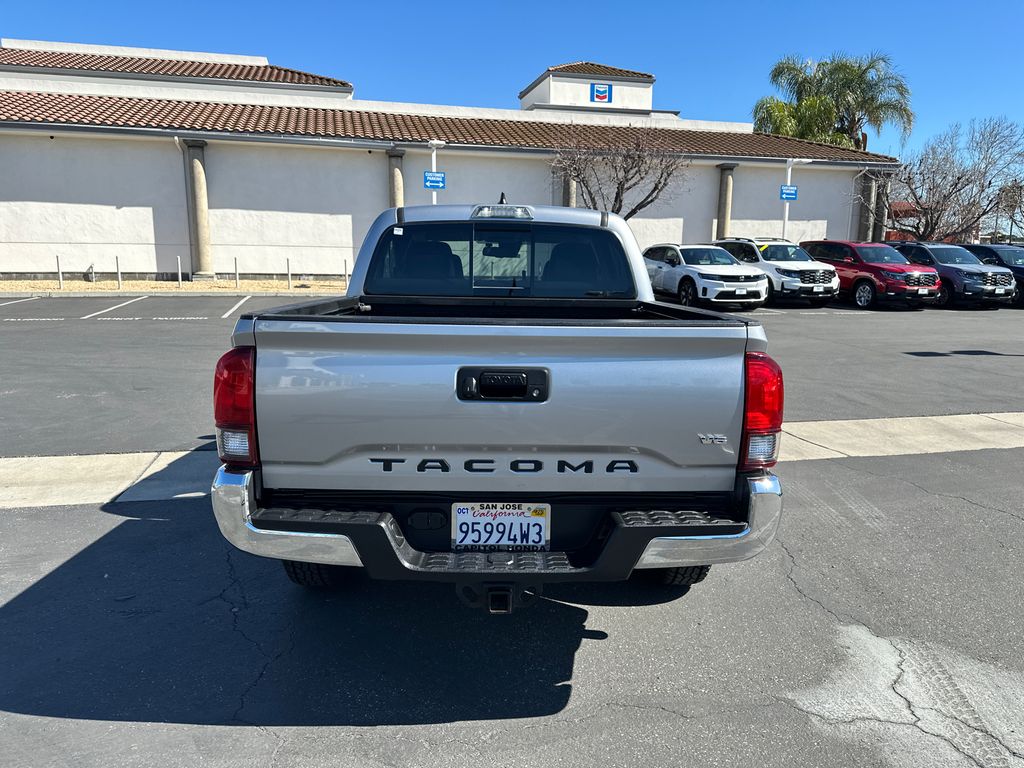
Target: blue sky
{"x": 711, "y": 59}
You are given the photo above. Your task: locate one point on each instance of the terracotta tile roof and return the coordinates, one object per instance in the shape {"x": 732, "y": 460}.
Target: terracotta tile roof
{"x": 16, "y": 57}
{"x": 120, "y": 112}
{"x": 593, "y": 68}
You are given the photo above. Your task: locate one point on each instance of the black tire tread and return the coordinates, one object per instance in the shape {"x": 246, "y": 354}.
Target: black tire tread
{"x": 313, "y": 575}
{"x": 689, "y": 576}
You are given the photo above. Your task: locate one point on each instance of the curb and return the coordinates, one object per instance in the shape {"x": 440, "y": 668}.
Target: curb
{"x": 152, "y": 294}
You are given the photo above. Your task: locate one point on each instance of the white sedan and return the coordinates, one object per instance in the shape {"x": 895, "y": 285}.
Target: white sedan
{"x": 695, "y": 274}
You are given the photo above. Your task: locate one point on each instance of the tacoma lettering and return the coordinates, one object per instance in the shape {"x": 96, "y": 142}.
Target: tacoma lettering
{"x": 521, "y": 466}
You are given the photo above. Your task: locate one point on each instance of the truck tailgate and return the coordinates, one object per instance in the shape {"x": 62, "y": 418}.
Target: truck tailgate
{"x": 626, "y": 409}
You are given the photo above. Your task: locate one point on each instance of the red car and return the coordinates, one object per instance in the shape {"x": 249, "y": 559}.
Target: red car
{"x": 876, "y": 272}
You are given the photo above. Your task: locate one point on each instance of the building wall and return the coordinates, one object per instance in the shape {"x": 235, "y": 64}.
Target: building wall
{"x": 481, "y": 177}
{"x": 90, "y": 201}
{"x": 575, "y": 92}
{"x": 824, "y": 208}
{"x": 272, "y": 202}
{"x": 684, "y": 213}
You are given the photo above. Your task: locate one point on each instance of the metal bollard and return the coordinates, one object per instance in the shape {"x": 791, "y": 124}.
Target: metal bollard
{"x": 117, "y": 263}
{"x": 238, "y": 283}
{"x": 60, "y": 275}
{"x": 288, "y": 264}
{"x": 344, "y": 271}
{"x": 179, "y": 271}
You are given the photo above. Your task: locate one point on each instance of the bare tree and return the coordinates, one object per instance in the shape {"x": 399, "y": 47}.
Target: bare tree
{"x": 953, "y": 183}
{"x": 624, "y": 176}
{"x": 1009, "y": 208}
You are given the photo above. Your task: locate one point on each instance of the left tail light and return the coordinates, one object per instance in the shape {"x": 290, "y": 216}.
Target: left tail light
{"x": 764, "y": 398}
{"x": 234, "y": 408}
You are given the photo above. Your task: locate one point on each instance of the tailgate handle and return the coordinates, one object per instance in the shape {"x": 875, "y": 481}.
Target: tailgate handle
{"x": 503, "y": 384}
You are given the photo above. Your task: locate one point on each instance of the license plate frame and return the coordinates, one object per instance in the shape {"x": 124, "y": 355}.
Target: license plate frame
{"x": 500, "y": 526}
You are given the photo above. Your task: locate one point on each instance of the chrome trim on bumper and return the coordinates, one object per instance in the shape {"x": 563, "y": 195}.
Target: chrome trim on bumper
{"x": 233, "y": 499}
{"x": 764, "y": 515}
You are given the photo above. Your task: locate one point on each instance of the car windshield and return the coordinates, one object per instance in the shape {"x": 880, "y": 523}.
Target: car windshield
{"x": 953, "y": 254}
{"x": 497, "y": 258}
{"x": 783, "y": 252}
{"x": 1013, "y": 257}
{"x": 881, "y": 254}
{"x": 699, "y": 257}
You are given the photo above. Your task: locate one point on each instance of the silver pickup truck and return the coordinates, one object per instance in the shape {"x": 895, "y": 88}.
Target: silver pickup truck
{"x": 498, "y": 403}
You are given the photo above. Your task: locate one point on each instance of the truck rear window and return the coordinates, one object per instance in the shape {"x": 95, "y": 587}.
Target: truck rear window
{"x": 499, "y": 258}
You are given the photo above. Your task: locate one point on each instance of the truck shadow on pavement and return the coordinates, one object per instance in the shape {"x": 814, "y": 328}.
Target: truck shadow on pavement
{"x": 161, "y": 620}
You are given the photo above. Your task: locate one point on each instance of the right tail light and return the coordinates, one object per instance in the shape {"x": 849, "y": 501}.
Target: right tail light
{"x": 764, "y": 396}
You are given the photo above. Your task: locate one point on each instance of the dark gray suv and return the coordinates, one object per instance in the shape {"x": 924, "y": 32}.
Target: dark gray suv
{"x": 964, "y": 278}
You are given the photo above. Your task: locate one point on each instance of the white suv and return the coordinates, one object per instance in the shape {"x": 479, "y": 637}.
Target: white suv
{"x": 791, "y": 271}
{"x": 695, "y": 274}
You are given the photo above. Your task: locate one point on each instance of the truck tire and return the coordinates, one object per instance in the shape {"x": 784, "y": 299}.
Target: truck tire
{"x": 673, "y": 577}
{"x": 314, "y": 575}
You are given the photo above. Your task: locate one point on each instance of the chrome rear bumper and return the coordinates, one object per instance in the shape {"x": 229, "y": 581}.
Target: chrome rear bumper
{"x": 234, "y": 501}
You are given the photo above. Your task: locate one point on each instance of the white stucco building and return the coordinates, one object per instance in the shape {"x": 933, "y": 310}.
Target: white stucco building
{"x": 152, "y": 157}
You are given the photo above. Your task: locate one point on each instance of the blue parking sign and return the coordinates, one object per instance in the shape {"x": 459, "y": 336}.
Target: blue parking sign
{"x": 434, "y": 180}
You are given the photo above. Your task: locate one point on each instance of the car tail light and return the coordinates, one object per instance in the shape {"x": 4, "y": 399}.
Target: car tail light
{"x": 762, "y": 413}
{"x": 234, "y": 411}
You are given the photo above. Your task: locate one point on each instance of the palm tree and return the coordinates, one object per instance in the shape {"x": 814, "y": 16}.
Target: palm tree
{"x": 867, "y": 92}
{"x": 812, "y": 118}
{"x": 835, "y": 100}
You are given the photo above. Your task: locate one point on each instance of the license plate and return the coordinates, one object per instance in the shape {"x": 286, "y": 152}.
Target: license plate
{"x": 489, "y": 526}
{"x": 1000, "y": 290}
{"x": 741, "y": 291}
{"x": 922, "y": 291}
{"x": 819, "y": 289}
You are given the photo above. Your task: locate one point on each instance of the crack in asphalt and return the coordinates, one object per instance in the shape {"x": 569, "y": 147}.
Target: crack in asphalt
{"x": 235, "y": 585}
{"x": 792, "y": 580}
{"x": 881, "y": 721}
{"x": 931, "y": 492}
{"x": 913, "y": 710}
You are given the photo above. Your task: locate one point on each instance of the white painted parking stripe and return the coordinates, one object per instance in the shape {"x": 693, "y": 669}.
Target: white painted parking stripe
{"x": 240, "y": 303}
{"x": 18, "y": 301}
{"x": 42, "y": 481}
{"x": 116, "y": 306}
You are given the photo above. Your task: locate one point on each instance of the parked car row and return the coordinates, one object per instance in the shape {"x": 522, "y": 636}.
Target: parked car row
{"x": 750, "y": 272}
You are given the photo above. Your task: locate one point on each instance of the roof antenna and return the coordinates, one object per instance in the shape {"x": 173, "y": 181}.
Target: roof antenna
{"x": 502, "y": 200}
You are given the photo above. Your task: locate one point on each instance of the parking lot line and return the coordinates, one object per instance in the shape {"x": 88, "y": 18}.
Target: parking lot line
{"x": 117, "y": 306}
{"x": 18, "y": 301}
{"x": 240, "y": 303}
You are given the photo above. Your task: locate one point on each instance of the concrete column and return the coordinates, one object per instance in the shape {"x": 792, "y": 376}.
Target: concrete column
{"x": 396, "y": 181}
{"x": 199, "y": 209}
{"x": 724, "y": 199}
{"x": 868, "y": 196}
{"x": 881, "y": 209}
{"x": 568, "y": 191}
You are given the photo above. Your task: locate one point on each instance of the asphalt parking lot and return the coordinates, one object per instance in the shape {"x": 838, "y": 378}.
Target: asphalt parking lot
{"x": 883, "y": 627}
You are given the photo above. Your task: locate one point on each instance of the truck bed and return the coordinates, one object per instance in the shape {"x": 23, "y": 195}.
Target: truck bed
{"x": 491, "y": 311}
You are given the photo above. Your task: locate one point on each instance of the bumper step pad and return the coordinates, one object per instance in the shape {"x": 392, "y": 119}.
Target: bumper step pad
{"x": 386, "y": 554}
